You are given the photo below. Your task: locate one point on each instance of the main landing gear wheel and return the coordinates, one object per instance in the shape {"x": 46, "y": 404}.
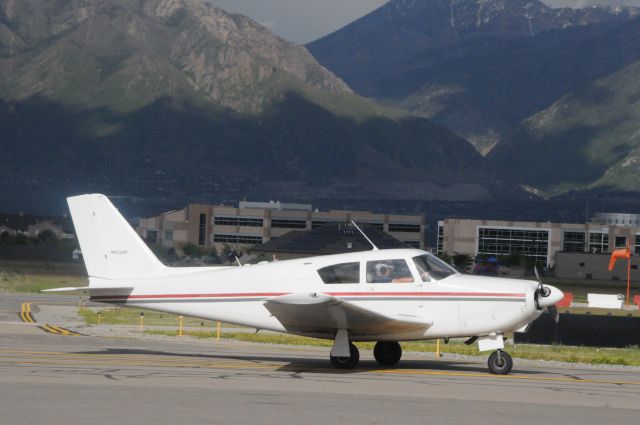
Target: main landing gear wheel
{"x": 387, "y": 353}
{"x": 500, "y": 362}
{"x": 347, "y": 362}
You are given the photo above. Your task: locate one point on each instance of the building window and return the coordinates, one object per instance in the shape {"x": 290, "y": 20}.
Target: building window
{"x": 409, "y": 228}
{"x": 244, "y": 239}
{"x": 202, "y": 229}
{"x": 637, "y": 245}
{"x": 168, "y": 235}
{"x": 377, "y": 226}
{"x": 152, "y": 236}
{"x": 316, "y": 223}
{"x": 238, "y": 221}
{"x": 573, "y": 242}
{"x": 505, "y": 241}
{"x": 598, "y": 242}
{"x": 440, "y": 244}
{"x": 621, "y": 242}
{"x": 341, "y": 273}
{"x": 284, "y": 223}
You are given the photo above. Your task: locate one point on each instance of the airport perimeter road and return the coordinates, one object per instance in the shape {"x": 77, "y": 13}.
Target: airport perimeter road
{"x": 56, "y": 379}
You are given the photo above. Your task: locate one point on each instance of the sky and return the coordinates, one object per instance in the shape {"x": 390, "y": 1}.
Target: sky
{"x": 302, "y": 21}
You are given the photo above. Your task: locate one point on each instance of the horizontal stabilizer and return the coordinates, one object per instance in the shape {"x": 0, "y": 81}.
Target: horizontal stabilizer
{"x": 90, "y": 289}
{"x": 324, "y": 313}
{"x": 67, "y": 289}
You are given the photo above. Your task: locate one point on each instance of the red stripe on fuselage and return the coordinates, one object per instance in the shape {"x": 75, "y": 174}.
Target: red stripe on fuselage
{"x": 428, "y": 294}
{"x": 335, "y": 294}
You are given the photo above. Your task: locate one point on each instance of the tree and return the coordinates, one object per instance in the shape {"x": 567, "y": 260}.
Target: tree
{"x": 193, "y": 250}
{"x": 46, "y": 236}
{"x": 445, "y": 257}
{"x": 22, "y": 239}
{"x": 462, "y": 260}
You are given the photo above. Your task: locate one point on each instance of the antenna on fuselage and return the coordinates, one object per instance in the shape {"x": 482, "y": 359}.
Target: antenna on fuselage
{"x": 375, "y": 248}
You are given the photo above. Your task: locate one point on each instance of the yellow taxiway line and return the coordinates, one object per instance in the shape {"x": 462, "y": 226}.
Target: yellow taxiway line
{"x": 27, "y": 317}
{"x": 25, "y": 313}
{"x": 58, "y": 330}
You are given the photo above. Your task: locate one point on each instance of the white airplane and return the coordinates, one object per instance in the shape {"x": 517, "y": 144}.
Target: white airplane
{"x": 385, "y": 295}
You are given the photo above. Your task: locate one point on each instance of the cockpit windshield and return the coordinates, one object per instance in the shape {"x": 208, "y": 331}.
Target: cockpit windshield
{"x": 431, "y": 268}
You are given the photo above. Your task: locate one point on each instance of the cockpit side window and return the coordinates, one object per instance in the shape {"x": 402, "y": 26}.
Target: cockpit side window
{"x": 431, "y": 268}
{"x": 388, "y": 271}
{"x": 340, "y": 273}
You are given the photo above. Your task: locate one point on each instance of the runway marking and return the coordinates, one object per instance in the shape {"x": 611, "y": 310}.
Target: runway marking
{"x": 43, "y": 358}
{"x": 26, "y": 316}
{"x": 58, "y": 330}
{"x": 25, "y": 313}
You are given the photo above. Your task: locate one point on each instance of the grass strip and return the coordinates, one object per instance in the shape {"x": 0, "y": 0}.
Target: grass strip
{"x": 131, "y": 316}
{"x": 16, "y": 281}
{"x": 590, "y": 355}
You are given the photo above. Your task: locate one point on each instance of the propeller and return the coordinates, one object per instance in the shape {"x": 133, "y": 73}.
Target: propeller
{"x": 553, "y": 310}
{"x": 543, "y": 291}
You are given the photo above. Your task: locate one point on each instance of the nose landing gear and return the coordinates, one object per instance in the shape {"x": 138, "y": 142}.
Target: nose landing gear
{"x": 500, "y": 362}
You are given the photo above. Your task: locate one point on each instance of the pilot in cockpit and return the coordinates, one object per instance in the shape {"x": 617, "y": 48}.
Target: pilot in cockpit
{"x": 383, "y": 273}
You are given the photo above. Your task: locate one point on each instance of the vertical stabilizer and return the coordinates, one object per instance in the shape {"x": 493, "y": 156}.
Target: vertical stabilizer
{"x": 110, "y": 247}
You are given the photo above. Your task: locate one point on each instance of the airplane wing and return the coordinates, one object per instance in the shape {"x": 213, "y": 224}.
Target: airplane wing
{"x": 325, "y": 313}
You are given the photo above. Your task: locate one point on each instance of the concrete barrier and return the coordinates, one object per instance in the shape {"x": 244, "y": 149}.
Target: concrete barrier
{"x": 605, "y": 301}
{"x": 583, "y": 330}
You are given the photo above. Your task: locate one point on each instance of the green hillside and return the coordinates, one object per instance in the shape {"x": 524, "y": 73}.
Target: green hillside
{"x": 588, "y": 139}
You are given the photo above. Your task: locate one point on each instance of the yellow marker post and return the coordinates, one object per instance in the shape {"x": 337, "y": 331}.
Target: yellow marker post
{"x": 141, "y": 322}
{"x": 438, "y": 348}
{"x": 99, "y": 317}
{"x": 180, "y": 330}
{"x": 218, "y": 332}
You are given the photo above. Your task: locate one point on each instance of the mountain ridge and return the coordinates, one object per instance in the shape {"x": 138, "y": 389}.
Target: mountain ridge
{"x": 450, "y": 78}
{"x": 177, "y": 98}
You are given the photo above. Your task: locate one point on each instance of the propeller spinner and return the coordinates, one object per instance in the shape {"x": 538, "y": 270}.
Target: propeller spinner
{"x": 546, "y": 296}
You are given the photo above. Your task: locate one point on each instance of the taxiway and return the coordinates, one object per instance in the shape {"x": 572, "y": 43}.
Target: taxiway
{"x": 48, "y": 378}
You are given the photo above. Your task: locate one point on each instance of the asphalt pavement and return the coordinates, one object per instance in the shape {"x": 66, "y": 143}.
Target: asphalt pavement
{"x": 48, "y": 378}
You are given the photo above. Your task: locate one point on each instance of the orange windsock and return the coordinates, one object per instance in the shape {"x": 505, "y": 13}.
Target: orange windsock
{"x": 619, "y": 253}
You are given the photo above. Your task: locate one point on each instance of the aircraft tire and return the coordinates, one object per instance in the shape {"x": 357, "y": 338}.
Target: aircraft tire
{"x": 347, "y": 362}
{"x": 502, "y": 365}
{"x": 387, "y": 353}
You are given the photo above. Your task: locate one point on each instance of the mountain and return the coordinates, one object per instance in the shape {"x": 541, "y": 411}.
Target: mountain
{"x": 362, "y": 52}
{"x": 476, "y": 66}
{"x": 589, "y": 139}
{"x": 146, "y": 50}
{"x": 179, "y": 100}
